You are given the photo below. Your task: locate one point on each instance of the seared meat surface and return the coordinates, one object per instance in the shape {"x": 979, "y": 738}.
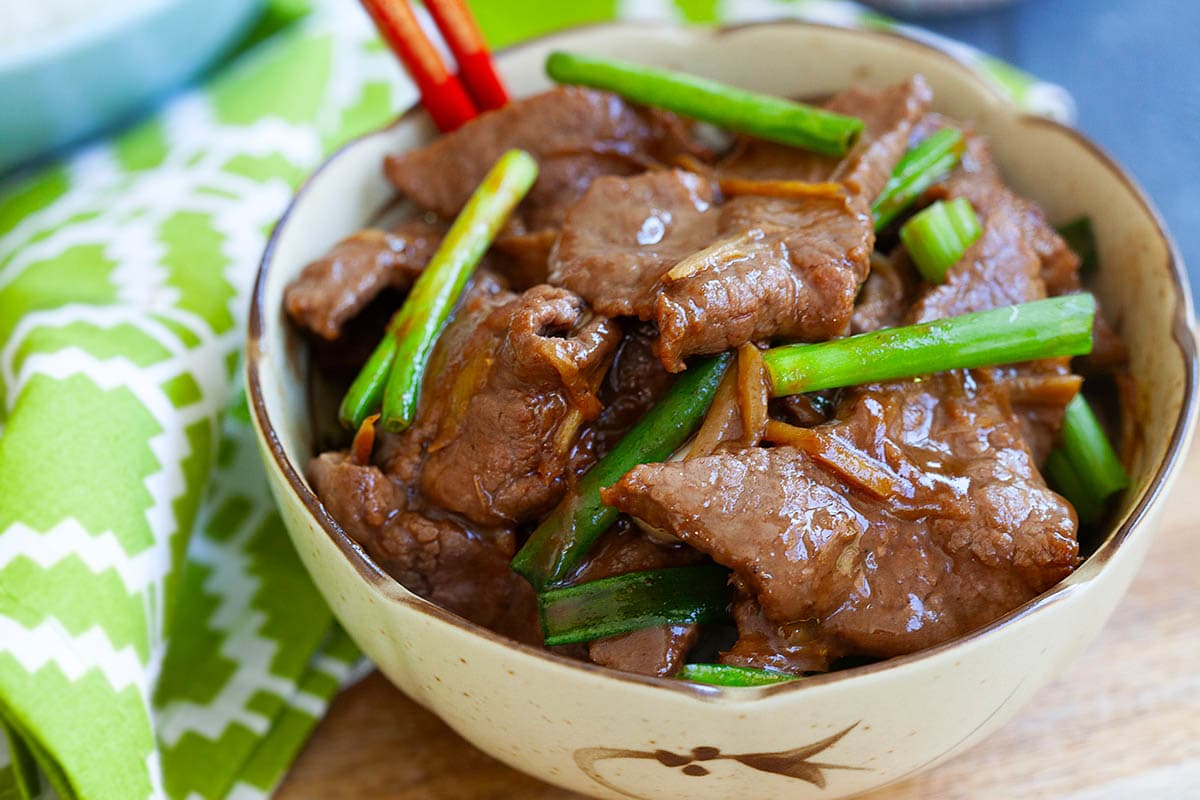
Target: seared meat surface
{"x": 789, "y": 268}
{"x": 864, "y": 522}
{"x": 624, "y": 233}
{"x": 333, "y": 289}
{"x": 460, "y": 569}
{"x": 967, "y": 530}
{"x": 576, "y": 134}
{"x": 518, "y": 393}
{"x": 649, "y": 651}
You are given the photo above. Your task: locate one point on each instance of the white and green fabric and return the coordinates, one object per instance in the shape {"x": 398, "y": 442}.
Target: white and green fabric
{"x": 158, "y": 637}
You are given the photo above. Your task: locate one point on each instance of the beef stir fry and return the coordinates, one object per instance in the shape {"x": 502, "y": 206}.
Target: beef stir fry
{"x": 648, "y": 401}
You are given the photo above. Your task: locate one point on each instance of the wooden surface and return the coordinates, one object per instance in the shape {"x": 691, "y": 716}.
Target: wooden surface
{"x": 1121, "y": 722}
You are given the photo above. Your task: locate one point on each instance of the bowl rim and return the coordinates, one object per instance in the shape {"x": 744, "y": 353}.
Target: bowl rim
{"x": 369, "y": 571}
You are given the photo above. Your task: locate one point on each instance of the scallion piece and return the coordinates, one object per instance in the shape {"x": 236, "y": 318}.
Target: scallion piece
{"x": 1065, "y": 479}
{"x": 760, "y": 115}
{"x": 624, "y": 603}
{"x": 919, "y": 168}
{"x": 729, "y": 675}
{"x": 366, "y": 393}
{"x": 416, "y": 327}
{"x": 1081, "y": 238}
{"x": 557, "y": 546}
{"x": 937, "y": 237}
{"x": 1059, "y": 326}
{"x": 1087, "y": 448}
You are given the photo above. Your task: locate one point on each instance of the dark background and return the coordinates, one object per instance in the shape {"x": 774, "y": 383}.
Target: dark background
{"x": 1134, "y": 69}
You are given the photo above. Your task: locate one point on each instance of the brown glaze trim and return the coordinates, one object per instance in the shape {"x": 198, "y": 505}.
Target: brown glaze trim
{"x": 796, "y": 763}
{"x": 374, "y": 575}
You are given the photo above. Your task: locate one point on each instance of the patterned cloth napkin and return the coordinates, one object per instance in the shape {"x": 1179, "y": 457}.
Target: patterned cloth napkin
{"x": 158, "y": 637}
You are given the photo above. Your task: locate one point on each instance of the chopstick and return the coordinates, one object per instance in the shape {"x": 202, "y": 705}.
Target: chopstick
{"x": 461, "y": 32}
{"x": 442, "y": 93}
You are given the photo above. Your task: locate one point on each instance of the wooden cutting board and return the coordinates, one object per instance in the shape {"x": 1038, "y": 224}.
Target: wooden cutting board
{"x": 1121, "y": 722}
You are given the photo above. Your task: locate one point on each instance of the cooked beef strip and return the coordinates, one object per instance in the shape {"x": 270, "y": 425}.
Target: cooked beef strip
{"x": 452, "y": 562}
{"x": 523, "y": 256}
{"x": 829, "y": 565}
{"x": 576, "y": 135}
{"x": 760, "y": 160}
{"x": 970, "y": 533}
{"x": 634, "y": 383}
{"x": 462, "y": 570}
{"x": 887, "y": 293}
{"x": 402, "y": 455}
{"x": 337, "y": 286}
{"x": 659, "y": 650}
{"x": 786, "y": 267}
{"x": 1038, "y": 392}
{"x": 1008, "y": 264}
{"x": 514, "y": 376}
{"x": 1012, "y": 259}
{"x": 979, "y": 180}
{"x": 796, "y": 647}
{"x": 511, "y": 406}
{"x": 624, "y": 233}
{"x": 757, "y": 159}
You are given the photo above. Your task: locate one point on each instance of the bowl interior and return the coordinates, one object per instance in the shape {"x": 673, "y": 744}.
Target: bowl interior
{"x": 1141, "y": 284}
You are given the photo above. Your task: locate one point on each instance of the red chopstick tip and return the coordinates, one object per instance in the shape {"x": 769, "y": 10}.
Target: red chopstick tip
{"x": 442, "y": 94}
{"x": 448, "y": 104}
{"x": 461, "y": 32}
{"x": 479, "y": 73}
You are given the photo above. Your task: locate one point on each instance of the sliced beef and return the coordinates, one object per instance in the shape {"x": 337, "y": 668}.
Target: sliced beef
{"x": 634, "y": 383}
{"x": 966, "y": 532}
{"x": 788, "y": 268}
{"x": 1011, "y": 262}
{"x": 758, "y": 159}
{"x": 660, "y": 650}
{"x": 1038, "y": 393}
{"x": 576, "y": 134}
{"x": 887, "y": 294}
{"x": 805, "y": 410}
{"x": 462, "y": 570}
{"x": 795, "y": 647}
{"x": 625, "y": 232}
{"x": 524, "y": 256}
{"x": 402, "y": 455}
{"x": 334, "y": 288}
{"x": 511, "y": 404}
{"x": 1017, "y": 258}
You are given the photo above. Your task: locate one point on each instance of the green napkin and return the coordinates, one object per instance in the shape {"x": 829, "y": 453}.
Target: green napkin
{"x": 158, "y": 636}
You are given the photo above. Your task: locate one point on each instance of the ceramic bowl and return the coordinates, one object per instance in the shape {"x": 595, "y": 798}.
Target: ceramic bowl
{"x": 611, "y": 734}
{"x": 58, "y": 87}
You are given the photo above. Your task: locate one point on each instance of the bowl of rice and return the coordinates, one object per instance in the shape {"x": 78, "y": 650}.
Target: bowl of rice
{"x": 70, "y": 68}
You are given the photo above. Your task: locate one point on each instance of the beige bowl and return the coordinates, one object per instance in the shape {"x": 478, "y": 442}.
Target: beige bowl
{"x": 610, "y": 734}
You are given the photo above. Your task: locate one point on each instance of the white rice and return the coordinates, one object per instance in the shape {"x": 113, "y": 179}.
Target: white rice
{"x": 26, "y": 22}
